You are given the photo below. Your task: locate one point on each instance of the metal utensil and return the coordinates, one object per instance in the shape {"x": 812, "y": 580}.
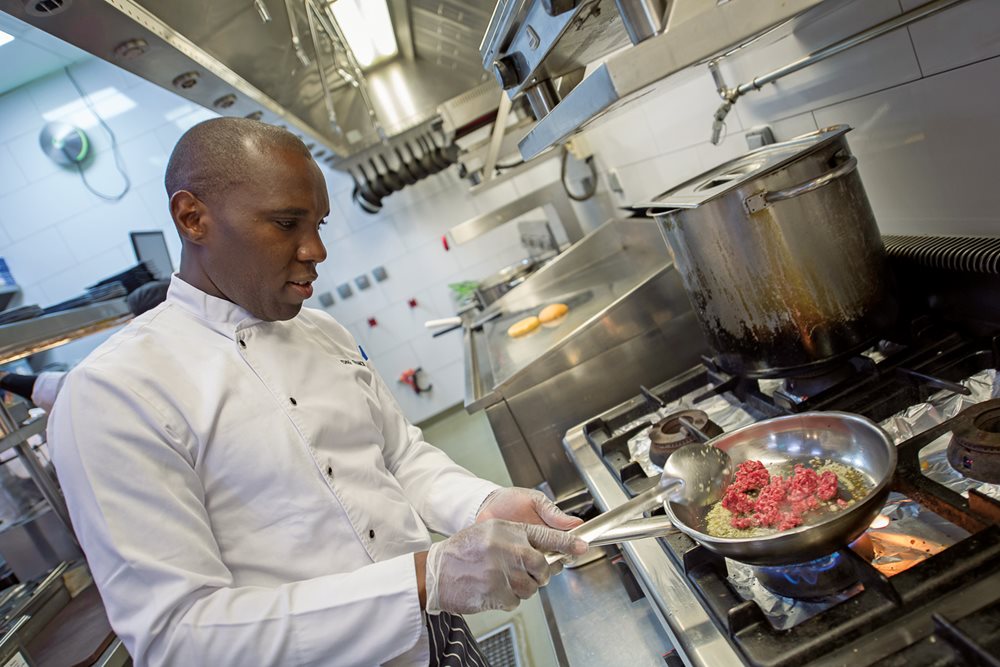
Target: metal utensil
{"x": 363, "y": 194}
{"x": 377, "y": 181}
{"x": 844, "y": 438}
{"x": 427, "y": 160}
{"x": 414, "y": 163}
{"x": 694, "y": 476}
{"x": 392, "y": 179}
{"x": 437, "y": 154}
{"x": 405, "y": 170}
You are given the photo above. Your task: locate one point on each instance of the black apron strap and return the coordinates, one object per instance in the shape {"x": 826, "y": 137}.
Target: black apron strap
{"x": 452, "y": 643}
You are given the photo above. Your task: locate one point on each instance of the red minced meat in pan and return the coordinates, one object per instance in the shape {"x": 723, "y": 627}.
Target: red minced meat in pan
{"x": 758, "y": 499}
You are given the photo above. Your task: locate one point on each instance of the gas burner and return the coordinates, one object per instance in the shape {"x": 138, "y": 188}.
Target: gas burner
{"x": 974, "y": 450}
{"x": 797, "y": 389}
{"x": 812, "y": 580}
{"x": 669, "y": 434}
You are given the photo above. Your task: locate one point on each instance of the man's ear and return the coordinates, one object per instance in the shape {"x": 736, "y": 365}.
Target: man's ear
{"x": 190, "y": 216}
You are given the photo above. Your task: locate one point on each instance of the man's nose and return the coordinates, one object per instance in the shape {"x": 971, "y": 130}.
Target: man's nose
{"x": 312, "y": 248}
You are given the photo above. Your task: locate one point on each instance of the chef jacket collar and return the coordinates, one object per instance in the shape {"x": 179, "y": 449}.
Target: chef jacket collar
{"x": 223, "y": 316}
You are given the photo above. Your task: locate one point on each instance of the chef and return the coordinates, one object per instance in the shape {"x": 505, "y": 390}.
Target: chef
{"x": 244, "y": 486}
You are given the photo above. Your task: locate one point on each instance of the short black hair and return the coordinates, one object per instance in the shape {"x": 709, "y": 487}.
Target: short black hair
{"x": 209, "y": 157}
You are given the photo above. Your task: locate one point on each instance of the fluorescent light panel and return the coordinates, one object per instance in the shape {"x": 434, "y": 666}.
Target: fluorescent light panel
{"x": 4, "y": 38}
{"x": 367, "y": 28}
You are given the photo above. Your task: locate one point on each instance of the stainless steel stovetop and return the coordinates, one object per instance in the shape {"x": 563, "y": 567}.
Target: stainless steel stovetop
{"x": 935, "y": 541}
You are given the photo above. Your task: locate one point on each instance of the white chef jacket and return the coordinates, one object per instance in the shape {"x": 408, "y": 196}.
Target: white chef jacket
{"x": 248, "y": 492}
{"x": 46, "y": 388}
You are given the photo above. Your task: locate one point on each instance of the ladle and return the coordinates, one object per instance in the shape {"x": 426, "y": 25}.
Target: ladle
{"x": 450, "y": 151}
{"x": 416, "y": 166}
{"x": 378, "y": 183}
{"x": 405, "y": 172}
{"x": 392, "y": 179}
{"x": 366, "y": 198}
{"x": 437, "y": 154}
{"x": 695, "y": 475}
{"x": 427, "y": 160}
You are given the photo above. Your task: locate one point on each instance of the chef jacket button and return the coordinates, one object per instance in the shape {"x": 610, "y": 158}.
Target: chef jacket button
{"x": 292, "y": 399}
{"x": 329, "y": 471}
{"x": 243, "y": 343}
{"x": 371, "y": 533}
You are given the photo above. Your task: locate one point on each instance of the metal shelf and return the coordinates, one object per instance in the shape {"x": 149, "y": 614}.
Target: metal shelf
{"x": 22, "y": 339}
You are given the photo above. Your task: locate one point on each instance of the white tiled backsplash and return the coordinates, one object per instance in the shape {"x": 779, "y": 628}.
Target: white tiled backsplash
{"x": 922, "y": 101}
{"x": 58, "y": 238}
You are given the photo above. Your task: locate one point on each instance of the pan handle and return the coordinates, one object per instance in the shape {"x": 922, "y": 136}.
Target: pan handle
{"x": 761, "y": 200}
{"x": 591, "y": 530}
{"x": 637, "y": 529}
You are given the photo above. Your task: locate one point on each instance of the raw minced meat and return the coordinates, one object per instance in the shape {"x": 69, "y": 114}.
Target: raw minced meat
{"x": 758, "y": 502}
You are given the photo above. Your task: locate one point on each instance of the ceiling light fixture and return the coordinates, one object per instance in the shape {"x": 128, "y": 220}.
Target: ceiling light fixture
{"x": 4, "y": 38}
{"x": 367, "y": 28}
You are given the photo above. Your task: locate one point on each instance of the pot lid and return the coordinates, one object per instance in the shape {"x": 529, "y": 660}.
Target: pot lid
{"x": 729, "y": 176}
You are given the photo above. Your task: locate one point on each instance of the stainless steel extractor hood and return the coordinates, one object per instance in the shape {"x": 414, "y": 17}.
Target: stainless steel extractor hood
{"x": 533, "y": 46}
{"x": 283, "y": 60}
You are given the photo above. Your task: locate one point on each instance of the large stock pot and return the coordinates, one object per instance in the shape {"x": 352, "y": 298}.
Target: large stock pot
{"x": 781, "y": 256}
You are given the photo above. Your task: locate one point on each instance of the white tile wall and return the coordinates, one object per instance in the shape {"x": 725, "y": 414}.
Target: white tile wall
{"x": 58, "y": 238}
{"x": 11, "y": 175}
{"x": 18, "y": 112}
{"x": 922, "y": 102}
{"x": 963, "y": 34}
{"x": 927, "y": 152}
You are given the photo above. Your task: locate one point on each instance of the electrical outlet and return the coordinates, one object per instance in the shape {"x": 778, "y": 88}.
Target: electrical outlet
{"x": 762, "y": 135}
{"x": 615, "y": 182}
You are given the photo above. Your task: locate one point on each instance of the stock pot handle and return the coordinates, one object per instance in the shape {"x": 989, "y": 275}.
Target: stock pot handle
{"x": 761, "y": 200}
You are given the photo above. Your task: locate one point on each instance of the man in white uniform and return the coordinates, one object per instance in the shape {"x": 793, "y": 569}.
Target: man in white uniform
{"x": 245, "y": 488}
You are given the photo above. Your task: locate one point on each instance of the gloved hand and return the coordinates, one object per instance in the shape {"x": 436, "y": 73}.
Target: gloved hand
{"x": 493, "y": 565}
{"x": 525, "y": 506}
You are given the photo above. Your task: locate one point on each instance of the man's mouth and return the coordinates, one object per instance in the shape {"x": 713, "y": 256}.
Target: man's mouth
{"x": 302, "y": 287}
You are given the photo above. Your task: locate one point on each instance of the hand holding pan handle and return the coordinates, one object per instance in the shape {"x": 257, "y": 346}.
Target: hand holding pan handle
{"x": 696, "y": 475}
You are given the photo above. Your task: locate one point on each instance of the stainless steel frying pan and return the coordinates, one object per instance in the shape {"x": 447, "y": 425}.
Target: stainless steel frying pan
{"x": 784, "y": 441}
{"x": 837, "y": 436}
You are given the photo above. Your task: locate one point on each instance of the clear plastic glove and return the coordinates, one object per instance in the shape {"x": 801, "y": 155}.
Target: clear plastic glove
{"x": 493, "y": 565}
{"x": 525, "y": 506}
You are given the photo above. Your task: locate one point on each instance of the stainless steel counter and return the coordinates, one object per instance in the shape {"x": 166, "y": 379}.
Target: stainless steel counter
{"x": 629, "y": 323}
{"x": 22, "y": 339}
{"x": 596, "y": 623}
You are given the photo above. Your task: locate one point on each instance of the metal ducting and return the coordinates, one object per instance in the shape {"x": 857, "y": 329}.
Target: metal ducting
{"x": 285, "y": 61}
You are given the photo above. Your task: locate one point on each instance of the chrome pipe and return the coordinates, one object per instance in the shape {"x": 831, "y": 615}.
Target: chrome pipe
{"x": 731, "y": 95}
{"x": 901, "y": 21}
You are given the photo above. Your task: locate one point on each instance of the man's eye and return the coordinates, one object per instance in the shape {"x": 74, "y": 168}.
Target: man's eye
{"x": 285, "y": 224}
{"x": 321, "y": 223}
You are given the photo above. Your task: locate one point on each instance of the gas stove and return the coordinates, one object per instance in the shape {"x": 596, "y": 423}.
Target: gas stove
{"x": 920, "y": 587}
